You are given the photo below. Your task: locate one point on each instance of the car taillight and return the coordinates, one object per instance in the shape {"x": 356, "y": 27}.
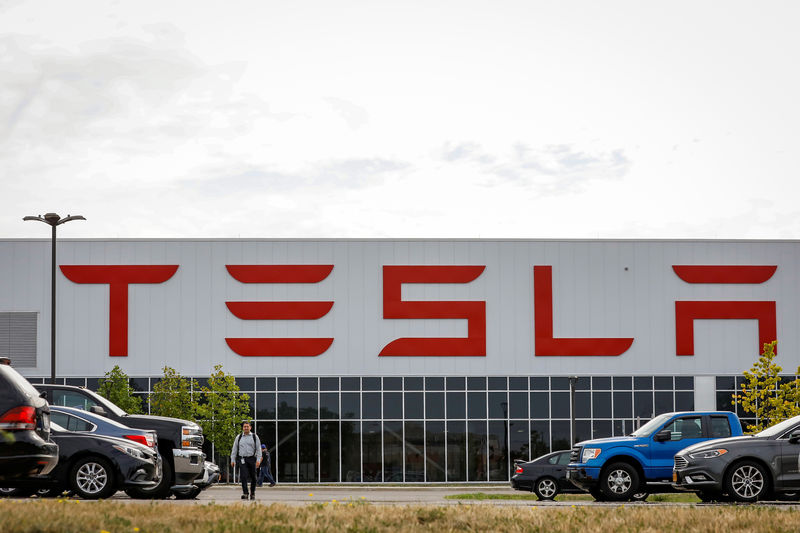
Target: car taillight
{"x": 147, "y": 440}
{"x": 518, "y": 470}
{"x": 19, "y": 418}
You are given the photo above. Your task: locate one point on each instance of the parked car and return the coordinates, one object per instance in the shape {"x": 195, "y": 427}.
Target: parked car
{"x": 25, "y": 446}
{"x": 744, "y": 469}
{"x": 620, "y": 467}
{"x": 545, "y": 475}
{"x": 179, "y": 441}
{"x": 73, "y": 419}
{"x": 95, "y": 466}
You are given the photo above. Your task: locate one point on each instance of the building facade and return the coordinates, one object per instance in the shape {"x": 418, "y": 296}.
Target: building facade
{"x": 412, "y": 360}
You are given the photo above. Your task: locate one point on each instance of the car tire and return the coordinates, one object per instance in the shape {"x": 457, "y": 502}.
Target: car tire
{"x": 158, "y": 492}
{"x": 747, "y": 481}
{"x": 92, "y": 478}
{"x": 546, "y": 488}
{"x": 619, "y": 481}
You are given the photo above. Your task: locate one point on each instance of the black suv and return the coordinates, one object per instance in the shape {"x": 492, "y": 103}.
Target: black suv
{"x": 25, "y": 446}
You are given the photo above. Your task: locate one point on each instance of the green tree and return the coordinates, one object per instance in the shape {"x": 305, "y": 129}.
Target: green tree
{"x": 116, "y": 387}
{"x": 765, "y": 395}
{"x": 172, "y": 396}
{"x": 222, "y": 410}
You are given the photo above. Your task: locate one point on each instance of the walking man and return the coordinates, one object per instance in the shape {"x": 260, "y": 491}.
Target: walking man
{"x": 247, "y": 450}
{"x": 264, "y": 471}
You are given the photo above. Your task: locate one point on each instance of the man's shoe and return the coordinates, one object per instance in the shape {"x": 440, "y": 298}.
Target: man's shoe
{"x": 244, "y": 496}
{"x": 272, "y": 484}
{"x": 252, "y": 496}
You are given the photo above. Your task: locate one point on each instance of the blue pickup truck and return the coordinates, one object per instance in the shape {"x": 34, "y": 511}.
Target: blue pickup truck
{"x": 618, "y": 468}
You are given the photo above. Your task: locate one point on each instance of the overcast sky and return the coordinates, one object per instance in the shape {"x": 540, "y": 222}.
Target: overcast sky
{"x": 492, "y": 119}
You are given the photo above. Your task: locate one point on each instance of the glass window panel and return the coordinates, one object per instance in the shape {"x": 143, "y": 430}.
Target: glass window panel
{"x": 81, "y": 382}
{"x": 601, "y": 404}
{"x": 540, "y": 406}
{"x": 455, "y": 383}
{"x": 351, "y": 451}
{"x": 370, "y": 384}
{"x": 518, "y": 405}
{"x": 643, "y": 382}
{"x": 477, "y": 450}
{"x": 540, "y": 438}
{"x": 583, "y": 430}
{"x": 434, "y": 405}
{"x": 624, "y": 427}
{"x": 685, "y": 428}
{"x": 559, "y": 404}
{"x": 623, "y": 405}
{"x": 498, "y": 405}
{"x": 266, "y": 433}
{"x": 329, "y": 384}
{"x": 518, "y": 446}
{"x": 307, "y": 384}
{"x": 720, "y": 427}
{"x": 414, "y": 405}
{"x": 435, "y": 451}
{"x": 583, "y": 383}
{"x": 684, "y": 382}
{"x": 456, "y": 450}
{"x": 287, "y": 405}
{"x": 517, "y": 383}
{"x": 137, "y": 384}
{"x": 663, "y": 383}
{"x": 91, "y": 383}
{"x": 684, "y": 401}
{"x": 476, "y": 383}
{"x": 456, "y": 405}
{"x": 329, "y": 405}
{"x": 265, "y": 405}
{"x": 540, "y": 383}
{"x": 664, "y": 402}
{"x": 286, "y": 456}
{"x": 309, "y": 443}
{"x": 392, "y": 451}
{"x": 287, "y": 384}
{"x": 351, "y": 384}
{"x": 415, "y": 452}
{"x": 246, "y": 384}
{"x": 583, "y": 405}
{"x": 265, "y": 384}
{"x": 393, "y": 406}
{"x": 434, "y": 383}
{"x": 643, "y": 405}
{"x": 392, "y": 383}
{"x": 724, "y": 401}
{"x": 498, "y": 450}
{"x": 413, "y": 383}
{"x": 623, "y": 383}
{"x": 601, "y": 383}
{"x": 329, "y": 452}
{"x": 371, "y": 408}
{"x": 372, "y": 451}
{"x": 725, "y": 383}
{"x": 559, "y": 383}
{"x": 601, "y": 429}
{"x": 561, "y": 437}
{"x": 498, "y": 383}
{"x": 476, "y": 405}
{"x": 351, "y": 405}
{"x": 307, "y": 405}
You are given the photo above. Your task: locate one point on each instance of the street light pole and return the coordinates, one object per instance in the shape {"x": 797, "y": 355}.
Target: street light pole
{"x": 53, "y": 220}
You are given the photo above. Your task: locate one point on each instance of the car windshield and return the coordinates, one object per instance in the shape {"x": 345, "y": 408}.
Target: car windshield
{"x": 649, "y": 428}
{"x": 779, "y": 429}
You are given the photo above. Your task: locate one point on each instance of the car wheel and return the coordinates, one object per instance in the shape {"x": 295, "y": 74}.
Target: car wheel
{"x": 546, "y": 488}
{"x": 640, "y": 496}
{"x": 619, "y": 481}
{"x": 158, "y": 492}
{"x": 92, "y": 478}
{"x": 747, "y": 482}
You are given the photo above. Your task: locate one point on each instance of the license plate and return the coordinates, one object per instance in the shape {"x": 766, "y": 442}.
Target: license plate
{"x": 675, "y": 477}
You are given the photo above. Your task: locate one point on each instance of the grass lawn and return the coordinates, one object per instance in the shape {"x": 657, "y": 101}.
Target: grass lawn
{"x": 687, "y": 497}
{"x": 75, "y": 516}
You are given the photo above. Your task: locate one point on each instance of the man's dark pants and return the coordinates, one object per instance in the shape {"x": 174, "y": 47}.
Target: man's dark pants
{"x": 248, "y": 473}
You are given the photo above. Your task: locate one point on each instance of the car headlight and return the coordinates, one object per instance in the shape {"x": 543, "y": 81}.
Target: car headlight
{"x": 708, "y": 454}
{"x": 133, "y": 452}
{"x": 589, "y": 454}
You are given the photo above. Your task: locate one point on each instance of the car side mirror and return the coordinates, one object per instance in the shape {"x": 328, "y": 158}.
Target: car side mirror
{"x": 663, "y": 435}
{"x": 96, "y": 409}
{"x": 794, "y": 437}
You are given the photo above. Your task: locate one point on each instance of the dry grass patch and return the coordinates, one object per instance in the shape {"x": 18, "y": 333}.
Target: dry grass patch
{"x": 71, "y": 516}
